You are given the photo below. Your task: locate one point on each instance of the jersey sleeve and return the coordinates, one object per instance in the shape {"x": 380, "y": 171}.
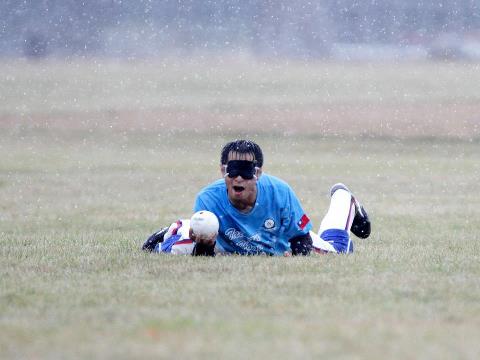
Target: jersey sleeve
{"x": 199, "y": 204}
{"x": 207, "y": 198}
{"x": 296, "y": 220}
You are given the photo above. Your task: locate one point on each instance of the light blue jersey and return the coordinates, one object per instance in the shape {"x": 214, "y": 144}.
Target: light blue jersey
{"x": 276, "y": 218}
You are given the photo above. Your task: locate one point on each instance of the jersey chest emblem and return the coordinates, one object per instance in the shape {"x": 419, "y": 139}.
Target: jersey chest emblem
{"x": 269, "y": 223}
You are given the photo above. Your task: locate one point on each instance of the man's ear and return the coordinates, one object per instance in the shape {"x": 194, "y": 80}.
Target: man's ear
{"x": 223, "y": 169}
{"x": 258, "y": 172}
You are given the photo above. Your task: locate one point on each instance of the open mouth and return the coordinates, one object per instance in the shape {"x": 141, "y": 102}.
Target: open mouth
{"x": 238, "y": 189}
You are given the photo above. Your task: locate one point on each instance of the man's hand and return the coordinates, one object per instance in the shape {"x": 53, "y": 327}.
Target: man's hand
{"x": 205, "y": 240}
{"x": 204, "y": 246}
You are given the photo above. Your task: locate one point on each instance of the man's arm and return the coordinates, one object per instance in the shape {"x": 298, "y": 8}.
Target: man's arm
{"x": 298, "y": 228}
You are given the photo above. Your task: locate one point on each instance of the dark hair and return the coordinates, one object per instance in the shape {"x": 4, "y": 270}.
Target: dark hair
{"x": 242, "y": 147}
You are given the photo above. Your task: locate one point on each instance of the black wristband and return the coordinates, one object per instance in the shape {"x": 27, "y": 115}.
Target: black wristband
{"x": 203, "y": 250}
{"x": 301, "y": 245}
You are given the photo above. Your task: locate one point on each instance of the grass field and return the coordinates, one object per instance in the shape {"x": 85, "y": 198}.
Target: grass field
{"x": 83, "y": 182}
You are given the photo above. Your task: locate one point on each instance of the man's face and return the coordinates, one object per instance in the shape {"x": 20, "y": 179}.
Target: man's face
{"x": 242, "y": 192}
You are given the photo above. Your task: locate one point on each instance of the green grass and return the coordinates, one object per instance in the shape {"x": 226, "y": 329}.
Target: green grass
{"x": 77, "y": 206}
{"x": 78, "y": 197}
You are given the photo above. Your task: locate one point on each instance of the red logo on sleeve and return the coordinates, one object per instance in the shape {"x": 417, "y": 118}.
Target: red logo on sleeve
{"x": 303, "y": 222}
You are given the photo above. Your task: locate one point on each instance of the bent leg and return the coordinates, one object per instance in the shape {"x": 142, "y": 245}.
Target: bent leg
{"x": 336, "y": 224}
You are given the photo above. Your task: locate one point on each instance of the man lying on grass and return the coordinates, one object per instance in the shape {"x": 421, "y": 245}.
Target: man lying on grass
{"x": 260, "y": 214}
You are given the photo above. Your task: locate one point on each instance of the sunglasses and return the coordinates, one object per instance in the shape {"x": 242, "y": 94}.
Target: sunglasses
{"x": 245, "y": 169}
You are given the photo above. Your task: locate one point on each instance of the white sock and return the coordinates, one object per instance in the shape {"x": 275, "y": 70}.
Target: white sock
{"x": 340, "y": 213}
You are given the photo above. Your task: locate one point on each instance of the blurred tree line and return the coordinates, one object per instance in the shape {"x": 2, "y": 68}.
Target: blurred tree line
{"x": 262, "y": 27}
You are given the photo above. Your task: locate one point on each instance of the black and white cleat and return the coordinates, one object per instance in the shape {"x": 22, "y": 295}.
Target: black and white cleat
{"x": 154, "y": 239}
{"x": 361, "y": 225}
